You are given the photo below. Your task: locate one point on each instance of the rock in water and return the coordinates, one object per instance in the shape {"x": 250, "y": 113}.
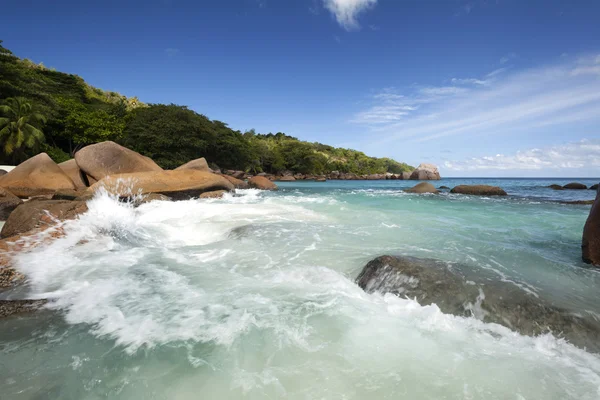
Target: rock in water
{"x": 425, "y": 172}
{"x": 423, "y": 187}
{"x": 40, "y": 213}
{"x": 556, "y": 187}
{"x": 108, "y": 158}
{"x": 71, "y": 169}
{"x": 179, "y": 184}
{"x": 10, "y": 307}
{"x": 575, "y": 186}
{"x": 38, "y": 175}
{"x": 459, "y": 291}
{"x": 260, "y": 182}
{"x": 590, "y": 242}
{"x": 198, "y": 164}
{"x": 237, "y": 183}
{"x": 8, "y": 202}
{"x": 479, "y": 190}
{"x": 217, "y": 194}
{"x": 286, "y": 178}
{"x": 594, "y": 187}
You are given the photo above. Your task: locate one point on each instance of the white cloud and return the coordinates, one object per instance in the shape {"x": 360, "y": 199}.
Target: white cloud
{"x": 538, "y": 98}
{"x": 576, "y": 155}
{"x": 346, "y": 11}
{"x": 507, "y": 58}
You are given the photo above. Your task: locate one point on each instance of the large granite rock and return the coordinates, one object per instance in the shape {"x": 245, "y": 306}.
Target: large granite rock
{"x": 260, "y": 182}
{"x": 479, "y": 190}
{"x": 40, "y": 214}
{"x": 198, "y": 164}
{"x": 425, "y": 172}
{"x": 178, "y": 184}
{"x": 459, "y": 290}
{"x": 237, "y": 183}
{"x": 71, "y": 169}
{"x": 8, "y": 202}
{"x": 108, "y": 158}
{"x": 575, "y": 186}
{"x": 38, "y": 175}
{"x": 423, "y": 187}
{"x": 590, "y": 242}
{"x": 3, "y": 172}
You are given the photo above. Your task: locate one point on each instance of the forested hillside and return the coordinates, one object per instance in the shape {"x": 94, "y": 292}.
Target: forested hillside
{"x": 45, "y": 110}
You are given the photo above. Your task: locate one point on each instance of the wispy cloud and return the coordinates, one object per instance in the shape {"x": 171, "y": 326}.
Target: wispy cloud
{"x": 507, "y": 58}
{"x": 347, "y": 11}
{"x": 502, "y": 101}
{"x": 171, "y": 52}
{"x": 575, "y": 155}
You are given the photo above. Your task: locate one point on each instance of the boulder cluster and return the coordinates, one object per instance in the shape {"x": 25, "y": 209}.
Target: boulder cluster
{"x": 38, "y": 194}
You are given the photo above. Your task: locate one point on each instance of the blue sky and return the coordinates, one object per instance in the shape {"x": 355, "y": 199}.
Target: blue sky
{"x": 480, "y": 88}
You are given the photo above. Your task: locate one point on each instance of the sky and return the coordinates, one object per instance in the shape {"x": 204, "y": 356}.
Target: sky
{"x": 477, "y": 87}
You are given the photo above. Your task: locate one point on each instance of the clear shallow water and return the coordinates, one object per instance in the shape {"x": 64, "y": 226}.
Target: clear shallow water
{"x": 254, "y": 297}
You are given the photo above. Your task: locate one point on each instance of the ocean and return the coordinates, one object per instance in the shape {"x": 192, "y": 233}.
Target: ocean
{"x": 254, "y": 297}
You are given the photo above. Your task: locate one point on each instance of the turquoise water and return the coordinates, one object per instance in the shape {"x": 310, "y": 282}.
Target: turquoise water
{"x": 253, "y": 296}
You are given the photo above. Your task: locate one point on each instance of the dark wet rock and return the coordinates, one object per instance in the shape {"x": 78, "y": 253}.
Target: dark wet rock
{"x": 423, "y": 187}
{"x": 10, "y": 307}
{"x": 260, "y": 182}
{"x": 590, "y": 241}
{"x": 9, "y": 277}
{"x": 594, "y": 187}
{"x": 554, "y": 186}
{"x": 3, "y": 172}
{"x": 578, "y": 202}
{"x": 39, "y": 214}
{"x": 444, "y": 187}
{"x": 67, "y": 194}
{"x": 457, "y": 290}
{"x": 575, "y": 186}
{"x": 8, "y": 202}
{"x": 479, "y": 190}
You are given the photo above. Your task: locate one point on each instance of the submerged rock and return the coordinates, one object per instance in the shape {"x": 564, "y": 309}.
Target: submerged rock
{"x": 444, "y": 187}
{"x": 594, "y": 187}
{"x": 590, "y": 241}
{"x": 108, "y": 158}
{"x": 8, "y": 202}
{"x": 556, "y": 187}
{"x": 260, "y": 182}
{"x": 38, "y": 175}
{"x": 479, "y": 190}
{"x": 575, "y": 186}
{"x": 217, "y": 194}
{"x": 10, "y": 307}
{"x": 423, "y": 187}
{"x": 458, "y": 291}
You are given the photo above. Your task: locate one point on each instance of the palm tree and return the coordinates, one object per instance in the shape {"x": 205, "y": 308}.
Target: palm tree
{"x": 18, "y": 129}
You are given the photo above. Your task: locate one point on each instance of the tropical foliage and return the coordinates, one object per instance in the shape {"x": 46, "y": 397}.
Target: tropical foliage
{"x": 78, "y": 114}
{"x": 19, "y": 128}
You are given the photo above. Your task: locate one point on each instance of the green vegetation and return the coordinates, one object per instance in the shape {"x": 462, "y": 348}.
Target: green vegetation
{"x": 78, "y": 114}
{"x": 19, "y": 127}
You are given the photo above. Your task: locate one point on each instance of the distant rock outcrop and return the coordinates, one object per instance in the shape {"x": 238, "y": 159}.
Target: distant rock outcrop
{"x": 479, "y": 190}
{"x": 238, "y": 183}
{"x": 38, "y": 175}
{"x": 554, "y": 186}
{"x": 108, "y": 158}
{"x": 575, "y": 186}
{"x": 425, "y": 172}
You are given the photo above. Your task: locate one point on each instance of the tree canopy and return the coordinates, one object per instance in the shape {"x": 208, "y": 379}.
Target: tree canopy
{"x": 78, "y": 114}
